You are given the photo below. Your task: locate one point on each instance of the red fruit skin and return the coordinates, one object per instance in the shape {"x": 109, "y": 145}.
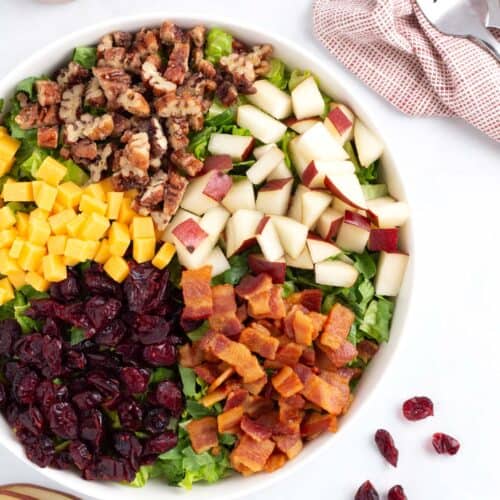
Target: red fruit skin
{"x": 386, "y": 446}
{"x": 190, "y": 234}
{"x": 396, "y": 493}
{"x": 366, "y": 492}
{"x": 418, "y": 408}
{"x": 218, "y": 185}
{"x": 340, "y": 121}
{"x": 445, "y": 444}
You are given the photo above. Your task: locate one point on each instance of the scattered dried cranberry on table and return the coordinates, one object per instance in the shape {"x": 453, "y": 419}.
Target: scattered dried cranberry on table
{"x": 396, "y": 493}
{"x": 366, "y": 492}
{"x": 418, "y": 408}
{"x": 444, "y": 443}
{"x": 386, "y": 446}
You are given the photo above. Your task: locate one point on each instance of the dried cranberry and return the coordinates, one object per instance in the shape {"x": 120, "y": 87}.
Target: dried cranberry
{"x": 24, "y": 387}
{"x": 3, "y": 396}
{"x": 98, "y": 282}
{"x": 366, "y": 492}
{"x": 418, "y": 408}
{"x": 130, "y": 352}
{"x": 169, "y": 395}
{"x": 160, "y": 443}
{"x": 87, "y": 400}
{"x": 128, "y": 446}
{"x": 63, "y": 420}
{"x": 108, "y": 386}
{"x": 12, "y": 414}
{"x": 91, "y": 428}
{"x": 12, "y": 370}
{"x": 156, "y": 420}
{"x": 29, "y": 349}
{"x": 160, "y": 354}
{"x": 10, "y": 331}
{"x": 110, "y": 469}
{"x": 80, "y": 454}
{"x": 62, "y": 461}
{"x": 44, "y": 308}
{"x": 66, "y": 290}
{"x": 135, "y": 379}
{"x": 102, "y": 311}
{"x": 51, "y": 328}
{"x": 444, "y": 443}
{"x": 32, "y": 419}
{"x": 111, "y": 334}
{"x": 150, "y": 329}
{"x": 396, "y": 493}
{"x": 386, "y": 446}
{"x": 52, "y": 357}
{"x": 48, "y": 393}
{"x": 41, "y": 451}
{"x": 130, "y": 414}
{"x": 74, "y": 314}
{"x": 104, "y": 359}
{"x": 75, "y": 360}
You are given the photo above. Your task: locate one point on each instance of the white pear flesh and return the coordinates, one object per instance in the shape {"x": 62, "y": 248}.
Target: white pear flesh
{"x": 262, "y": 126}
{"x": 314, "y": 203}
{"x": 318, "y": 144}
{"x": 241, "y": 230}
{"x": 218, "y": 261}
{"x": 335, "y": 273}
{"x": 302, "y": 261}
{"x": 179, "y": 217}
{"x": 391, "y": 269}
{"x": 269, "y": 241}
{"x": 321, "y": 250}
{"x": 258, "y": 172}
{"x": 238, "y": 147}
{"x": 241, "y": 195}
{"x": 271, "y": 99}
{"x": 307, "y": 100}
{"x": 386, "y": 212}
{"x": 274, "y": 197}
{"x": 194, "y": 200}
{"x": 368, "y": 146}
{"x": 292, "y": 234}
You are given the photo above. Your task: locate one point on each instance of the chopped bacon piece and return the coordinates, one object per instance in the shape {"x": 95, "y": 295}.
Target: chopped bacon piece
{"x": 267, "y": 304}
{"x": 288, "y": 321}
{"x": 310, "y": 299}
{"x": 252, "y": 454}
{"x": 229, "y": 420}
{"x": 256, "y": 406}
{"x": 337, "y": 326}
{"x": 197, "y": 293}
{"x": 275, "y": 462}
{"x": 238, "y": 356}
{"x": 242, "y": 313}
{"x": 190, "y": 355}
{"x": 203, "y": 434}
{"x": 296, "y": 401}
{"x": 367, "y": 349}
{"x": 214, "y": 397}
{"x": 258, "y": 339}
{"x": 291, "y": 445}
{"x": 287, "y": 383}
{"x": 252, "y": 285}
{"x": 345, "y": 353}
{"x": 303, "y": 328}
{"x": 290, "y": 417}
{"x": 318, "y": 323}
{"x": 223, "y": 318}
{"x": 257, "y": 431}
{"x": 256, "y": 387}
{"x": 316, "y": 423}
{"x": 221, "y": 379}
{"x": 308, "y": 356}
{"x": 337, "y": 380}
{"x": 236, "y": 398}
{"x": 207, "y": 372}
{"x": 289, "y": 354}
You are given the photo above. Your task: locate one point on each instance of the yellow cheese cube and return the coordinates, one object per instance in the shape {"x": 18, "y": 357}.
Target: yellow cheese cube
{"x": 92, "y": 248}
{"x": 73, "y": 227}
{"x": 7, "y": 218}
{"x": 22, "y": 221}
{"x": 69, "y": 194}
{"x": 88, "y": 205}
{"x": 56, "y": 244}
{"x": 119, "y": 239}
{"x": 8, "y": 147}
{"x": 31, "y": 256}
{"x": 107, "y": 184}
{"x": 95, "y": 191}
{"x": 94, "y": 228}
{"x": 18, "y": 191}
{"x": 51, "y": 171}
{"x": 126, "y": 212}
{"x": 37, "y": 281}
{"x": 103, "y": 253}
{"x": 5, "y": 166}
{"x": 7, "y": 264}
{"x": 142, "y": 227}
{"x": 115, "y": 200}
{"x": 45, "y": 196}
{"x": 38, "y": 232}
{"x": 35, "y": 187}
{"x": 70, "y": 261}
{"x": 76, "y": 249}
{"x": 17, "y": 278}
{"x": 7, "y": 236}
{"x": 15, "y": 249}
{"x": 131, "y": 194}
{"x": 164, "y": 256}
{"x": 58, "y": 207}
{"x": 59, "y": 222}
{"x": 54, "y": 268}
{"x": 117, "y": 268}
{"x": 144, "y": 249}
{"x": 38, "y": 214}
{"x": 3, "y": 131}
{"x": 6, "y": 290}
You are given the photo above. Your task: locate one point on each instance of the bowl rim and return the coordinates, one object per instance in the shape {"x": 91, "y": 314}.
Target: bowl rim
{"x": 56, "y": 49}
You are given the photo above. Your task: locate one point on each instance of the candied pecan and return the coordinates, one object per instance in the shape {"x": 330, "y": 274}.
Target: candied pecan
{"x": 196, "y": 122}
{"x": 136, "y": 155}
{"x": 178, "y": 130}
{"x": 83, "y": 150}
{"x": 112, "y": 57}
{"x": 96, "y": 128}
{"x": 122, "y": 38}
{"x": 22, "y": 99}
{"x": 171, "y": 33}
{"x": 106, "y": 42}
{"x": 171, "y": 105}
{"x": 178, "y": 63}
{"x": 121, "y": 123}
{"x": 158, "y": 142}
{"x": 198, "y": 35}
{"x": 48, "y": 137}
{"x": 48, "y": 116}
{"x": 160, "y": 219}
{"x": 94, "y": 96}
{"x": 146, "y": 42}
{"x": 207, "y": 68}
{"x": 133, "y": 61}
{"x": 28, "y": 116}
{"x": 174, "y": 191}
{"x": 113, "y": 82}
{"x": 153, "y": 194}
{"x": 71, "y": 103}
{"x": 187, "y": 162}
{"x": 227, "y": 93}
{"x": 47, "y": 92}
{"x": 151, "y": 76}
{"x": 198, "y": 85}
{"x": 72, "y": 74}
{"x": 100, "y": 165}
{"x": 134, "y": 102}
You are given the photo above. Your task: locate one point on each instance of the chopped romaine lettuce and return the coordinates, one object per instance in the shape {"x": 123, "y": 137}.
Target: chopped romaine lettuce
{"x": 2, "y": 103}
{"x": 75, "y": 173}
{"x": 188, "y": 379}
{"x": 19, "y": 206}
{"x": 219, "y": 44}
{"x": 219, "y": 115}
{"x": 77, "y": 335}
{"x": 365, "y": 264}
{"x": 372, "y": 191}
{"x": 85, "y": 56}
{"x": 283, "y": 145}
{"x": 377, "y": 319}
{"x": 142, "y": 476}
{"x": 198, "y": 144}
{"x": 238, "y": 269}
{"x": 278, "y": 74}
{"x": 161, "y": 374}
{"x": 297, "y": 76}
{"x": 28, "y": 86}
{"x": 199, "y": 332}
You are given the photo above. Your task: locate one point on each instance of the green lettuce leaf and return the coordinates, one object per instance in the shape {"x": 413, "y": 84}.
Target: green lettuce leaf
{"x": 283, "y": 145}
{"x": 365, "y": 264}
{"x": 28, "y": 86}
{"x": 85, "y": 56}
{"x": 219, "y": 115}
{"x": 297, "y": 76}
{"x": 238, "y": 269}
{"x": 142, "y": 476}
{"x": 188, "y": 379}
{"x": 77, "y": 335}
{"x": 198, "y": 144}
{"x": 278, "y": 74}
{"x": 160, "y": 374}
{"x": 2, "y": 104}
{"x": 199, "y": 333}
{"x": 372, "y": 191}
{"x": 377, "y": 320}
{"x": 75, "y": 173}
{"x": 219, "y": 43}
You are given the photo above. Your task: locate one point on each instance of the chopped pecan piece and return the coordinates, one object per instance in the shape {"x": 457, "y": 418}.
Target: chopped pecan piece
{"x": 83, "y": 151}
{"x": 112, "y": 57}
{"x": 160, "y": 219}
{"x": 100, "y": 165}
{"x": 158, "y": 142}
{"x": 187, "y": 162}
{"x": 47, "y": 92}
{"x": 146, "y": 42}
{"x": 135, "y": 103}
{"x": 133, "y": 61}
{"x": 95, "y": 128}
{"x": 151, "y": 76}
{"x": 106, "y": 42}
{"x": 136, "y": 153}
{"x": 171, "y": 105}
{"x": 121, "y": 123}
{"x": 113, "y": 82}
{"x": 122, "y": 39}
{"x": 198, "y": 35}
{"x": 28, "y": 116}
{"x": 227, "y": 93}
{"x": 94, "y": 96}
{"x": 178, "y": 130}
{"x": 48, "y": 116}
{"x": 48, "y": 137}
{"x": 72, "y": 74}
{"x": 174, "y": 191}
{"x": 178, "y": 63}
{"x": 153, "y": 194}
{"x": 71, "y": 103}
{"x": 171, "y": 33}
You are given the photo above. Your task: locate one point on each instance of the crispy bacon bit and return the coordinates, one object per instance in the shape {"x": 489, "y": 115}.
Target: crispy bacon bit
{"x": 318, "y": 321}
{"x": 48, "y": 137}
{"x": 310, "y": 299}
{"x": 316, "y": 424}
{"x": 258, "y": 339}
{"x": 190, "y": 355}
{"x": 337, "y": 326}
{"x": 275, "y": 461}
{"x": 48, "y": 92}
{"x": 252, "y": 285}
{"x": 290, "y": 444}
{"x": 303, "y": 328}
{"x": 177, "y": 185}
{"x": 178, "y": 61}
{"x": 71, "y": 103}
{"x": 257, "y": 386}
{"x": 197, "y": 293}
{"x": 207, "y": 372}
{"x": 309, "y": 356}
{"x": 255, "y": 430}
{"x": 220, "y": 379}
{"x": 289, "y": 354}
{"x": 187, "y": 162}
{"x": 215, "y": 397}
{"x": 251, "y": 454}
{"x": 229, "y": 420}
{"x": 287, "y": 383}
{"x": 224, "y": 319}
{"x": 236, "y": 398}
{"x": 135, "y": 103}
{"x": 367, "y": 349}
{"x": 342, "y": 355}
{"x": 113, "y": 81}
{"x": 203, "y": 434}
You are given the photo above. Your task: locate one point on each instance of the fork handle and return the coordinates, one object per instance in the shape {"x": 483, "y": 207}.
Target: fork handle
{"x": 484, "y": 38}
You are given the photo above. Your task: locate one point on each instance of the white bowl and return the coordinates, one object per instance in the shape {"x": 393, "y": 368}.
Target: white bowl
{"x": 53, "y": 56}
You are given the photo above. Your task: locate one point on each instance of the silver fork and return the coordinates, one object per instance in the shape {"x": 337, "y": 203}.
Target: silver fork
{"x": 459, "y": 18}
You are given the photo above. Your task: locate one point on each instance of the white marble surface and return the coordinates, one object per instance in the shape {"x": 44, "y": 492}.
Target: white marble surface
{"x": 452, "y": 177}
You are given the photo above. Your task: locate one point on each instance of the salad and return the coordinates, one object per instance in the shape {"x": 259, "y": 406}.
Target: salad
{"x": 198, "y": 259}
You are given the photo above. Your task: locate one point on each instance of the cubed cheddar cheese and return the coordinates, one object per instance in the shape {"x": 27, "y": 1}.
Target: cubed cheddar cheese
{"x": 131, "y": 194}
{"x": 69, "y": 194}
{"x": 7, "y": 264}
{"x": 45, "y": 196}
{"x": 76, "y": 249}
{"x": 94, "y": 228}
{"x": 73, "y": 228}
{"x": 164, "y": 256}
{"x": 37, "y": 281}
{"x": 143, "y": 249}
{"x": 51, "y": 171}
{"x": 56, "y": 244}
{"x": 115, "y": 200}
{"x": 107, "y": 184}
{"x": 54, "y": 269}
{"x": 117, "y": 268}
{"x": 119, "y": 239}
{"x": 95, "y": 190}
{"x": 89, "y": 204}
{"x": 6, "y": 291}
{"x": 7, "y": 218}
{"x": 92, "y": 248}
{"x": 58, "y": 207}
{"x": 8, "y": 147}
{"x": 22, "y": 222}
{"x": 103, "y": 253}
{"x": 3, "y": 131}
{"x": 70, "y": 261}
{"x": 31, "y": 256}
{"x": 18, "y": 191}
{"x": 38, "y": 232}
{"x": 35, "y": 187}
{"x": 126, "y": 212}
{"x": 17, "y": 279}
{"x": 59, "y": 222}
{"x": 142, "y": 227}
{"x": 15, "y": 249}
{"x": 39, "y": 214}
{"x": 5, "y": 166}
{"x": 7, "y": 236}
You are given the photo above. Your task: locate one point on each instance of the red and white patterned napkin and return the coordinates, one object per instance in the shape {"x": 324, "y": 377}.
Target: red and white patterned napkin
{"x": 391, "y": 46}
